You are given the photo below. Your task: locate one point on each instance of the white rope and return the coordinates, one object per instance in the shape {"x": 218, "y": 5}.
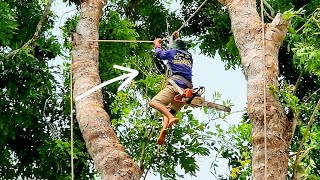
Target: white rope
{"x": 71, "y": 120}
{"x": 185, "y": 23}
{"x": 124, "y": 41}
{"x": 264, "y": 92}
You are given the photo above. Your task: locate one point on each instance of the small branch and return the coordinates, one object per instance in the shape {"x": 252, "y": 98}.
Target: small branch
{"x": 38, "y": 30}
{"x": 144, "y": 146}
{"x": 297, "y": 83}
{"x": 304, "y": 152}
{"x": 294, "y": 124}
{"x": 296, "y": 114}
{"x": 268, "y": 15}
{"x": 314, "y": 93}
{"x": 297, "y": 161}
{"x": 152, "y": 161}
{"x": 308, "y": 20}
{"x": 267, "y": 5}
{"x": 132, "y": 5}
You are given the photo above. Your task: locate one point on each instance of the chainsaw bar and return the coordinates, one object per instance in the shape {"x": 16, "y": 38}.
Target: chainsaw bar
{"x": 217, "y": 106}
{"x": 200, "y": 102}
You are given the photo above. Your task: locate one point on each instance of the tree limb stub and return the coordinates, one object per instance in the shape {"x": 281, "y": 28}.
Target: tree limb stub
{"x": 36, "y": 35}
{"x": 277, "y": 29}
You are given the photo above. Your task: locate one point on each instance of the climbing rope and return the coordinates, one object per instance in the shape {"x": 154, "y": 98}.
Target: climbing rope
{"x": 185, "y": 23}
{"x": 264, "y": 91}
{"x": 71, "y": 120}
{"x": 134, "y": 41}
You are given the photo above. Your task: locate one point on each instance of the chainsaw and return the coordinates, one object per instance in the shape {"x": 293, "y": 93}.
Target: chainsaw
{"x": 192, "y": 97}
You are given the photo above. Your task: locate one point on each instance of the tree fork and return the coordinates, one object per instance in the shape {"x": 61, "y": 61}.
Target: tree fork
{"x": 109, "y": 156}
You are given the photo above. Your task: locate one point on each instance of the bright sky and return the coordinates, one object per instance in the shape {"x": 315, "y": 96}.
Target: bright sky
{"x": 207, "y": 72}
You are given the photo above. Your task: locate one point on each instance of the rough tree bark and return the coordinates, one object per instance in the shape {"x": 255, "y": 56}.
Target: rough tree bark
{"x": 110, "y": 158}
{"x": 247, "y": 30}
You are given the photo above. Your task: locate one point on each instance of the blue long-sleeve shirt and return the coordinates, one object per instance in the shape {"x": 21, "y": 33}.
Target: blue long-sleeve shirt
{"x": 180, "y": 62}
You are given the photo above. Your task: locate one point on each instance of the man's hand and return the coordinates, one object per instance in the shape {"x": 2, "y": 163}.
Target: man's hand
{"x": 157, "y": 42}
{"x": 175, "y": 35}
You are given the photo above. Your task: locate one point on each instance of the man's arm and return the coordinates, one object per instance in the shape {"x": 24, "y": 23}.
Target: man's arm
{"x": 161, "y": 54}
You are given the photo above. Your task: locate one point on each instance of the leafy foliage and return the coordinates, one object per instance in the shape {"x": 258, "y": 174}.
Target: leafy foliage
{"x": 139, "y": 126}
{"x": 34, "y": 130}
{"x": 35, "y": 107}
{"x": 7, "y": 18}
{"x": 135, "y": 123}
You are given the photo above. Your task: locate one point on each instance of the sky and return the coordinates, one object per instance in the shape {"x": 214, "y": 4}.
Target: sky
{"x": 208, "y": 72}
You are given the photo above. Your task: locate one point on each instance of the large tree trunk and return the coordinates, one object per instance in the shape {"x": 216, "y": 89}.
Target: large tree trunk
{"x": 246, "y": 26}
{"x": 109, "y": 156}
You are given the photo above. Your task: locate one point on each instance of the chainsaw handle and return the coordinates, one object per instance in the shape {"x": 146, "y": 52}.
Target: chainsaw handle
{"x": 200, "y": 90}
{"x": 178, "y": 98}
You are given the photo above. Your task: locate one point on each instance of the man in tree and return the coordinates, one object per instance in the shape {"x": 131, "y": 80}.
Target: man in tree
{"x": 180, "y": 67}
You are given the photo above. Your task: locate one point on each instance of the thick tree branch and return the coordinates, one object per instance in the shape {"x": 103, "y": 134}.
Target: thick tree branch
{"x": 280, "y": 23}
{"x": 38, "y": 30}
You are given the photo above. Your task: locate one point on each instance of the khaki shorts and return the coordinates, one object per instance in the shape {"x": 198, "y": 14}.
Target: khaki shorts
{"x": 166, "y": 96}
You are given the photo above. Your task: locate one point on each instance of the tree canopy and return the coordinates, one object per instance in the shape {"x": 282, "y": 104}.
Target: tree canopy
{"x": 35, "y": 104}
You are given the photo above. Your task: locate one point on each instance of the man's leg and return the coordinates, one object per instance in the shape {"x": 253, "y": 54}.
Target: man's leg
{"x": 162, "y": 109}
{"x": 159, "y": 102}
{"x": 163, "y": 131}
{"x": 162, "y": 99}
{"x": 175, "y": 107}
{"x": 165, "y": 122}
{"x": 168, "y": 123}
{"x": 167, "y": 117}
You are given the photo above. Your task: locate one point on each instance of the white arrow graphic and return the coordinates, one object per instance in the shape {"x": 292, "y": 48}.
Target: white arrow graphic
{"x": 133, "y": 73}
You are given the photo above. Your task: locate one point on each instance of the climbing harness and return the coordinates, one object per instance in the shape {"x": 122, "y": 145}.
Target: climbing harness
{"x": 192, "y": 96}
